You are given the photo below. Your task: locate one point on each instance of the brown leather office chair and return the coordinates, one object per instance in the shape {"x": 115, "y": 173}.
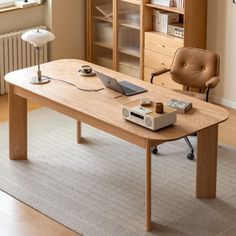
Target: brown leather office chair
{"x": 198, "y": 71}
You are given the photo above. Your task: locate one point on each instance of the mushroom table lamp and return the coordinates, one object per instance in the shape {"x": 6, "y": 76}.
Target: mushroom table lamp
{"x": 38, "y": 37}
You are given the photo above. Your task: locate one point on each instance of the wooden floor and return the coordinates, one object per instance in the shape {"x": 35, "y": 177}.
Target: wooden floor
{"x": 18, "y": 219}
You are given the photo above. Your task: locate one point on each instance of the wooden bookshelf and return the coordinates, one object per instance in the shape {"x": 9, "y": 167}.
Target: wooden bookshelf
{"x": 132, "y": 33}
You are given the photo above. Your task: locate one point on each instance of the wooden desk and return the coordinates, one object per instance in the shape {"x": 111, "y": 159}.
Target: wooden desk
{"x": 103, "y": 110}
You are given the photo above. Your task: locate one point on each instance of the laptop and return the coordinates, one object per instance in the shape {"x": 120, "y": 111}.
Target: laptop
{"x": 123, "y": 87}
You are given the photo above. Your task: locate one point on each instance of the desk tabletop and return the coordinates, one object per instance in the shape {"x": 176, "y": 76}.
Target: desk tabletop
{"x": 104, "y": 106}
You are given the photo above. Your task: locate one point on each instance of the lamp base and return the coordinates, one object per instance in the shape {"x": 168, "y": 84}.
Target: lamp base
{"x": 42, "y": 80}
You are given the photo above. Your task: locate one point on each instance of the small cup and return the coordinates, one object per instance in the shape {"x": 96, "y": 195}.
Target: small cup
{"x": 86, "y": 69}
{"x": 159, "y": 107}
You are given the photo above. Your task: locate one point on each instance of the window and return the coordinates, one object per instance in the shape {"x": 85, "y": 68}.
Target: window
{"x": 7, "y": 3}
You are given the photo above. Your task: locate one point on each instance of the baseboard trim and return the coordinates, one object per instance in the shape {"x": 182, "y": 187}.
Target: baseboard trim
{"x": 225, "y": 102}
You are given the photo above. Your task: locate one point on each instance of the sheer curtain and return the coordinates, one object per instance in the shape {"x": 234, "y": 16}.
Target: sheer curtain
{"x": 7, "y": 3}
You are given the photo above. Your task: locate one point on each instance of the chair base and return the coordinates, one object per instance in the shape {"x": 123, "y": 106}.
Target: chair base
{"x": 154, "y": 150}
{"x": 190, "y": 155}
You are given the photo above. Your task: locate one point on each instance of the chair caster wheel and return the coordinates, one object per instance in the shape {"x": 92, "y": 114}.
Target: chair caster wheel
{"x": 154, "y": 150}
{"x": 190, "y": 156}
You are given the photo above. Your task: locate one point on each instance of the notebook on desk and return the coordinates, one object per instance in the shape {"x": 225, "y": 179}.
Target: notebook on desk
{"x": 123, "y": 87}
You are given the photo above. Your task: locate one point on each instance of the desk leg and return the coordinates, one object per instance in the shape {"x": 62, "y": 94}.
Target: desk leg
{"x": 148, "y": 186}
{"x": 207, "y": 162}
{"x": 17, "y": 126}
{"x": 79, "y": 132}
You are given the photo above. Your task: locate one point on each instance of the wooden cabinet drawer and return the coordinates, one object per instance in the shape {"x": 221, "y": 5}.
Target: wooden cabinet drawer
{"x": 156, "y": 60}
{"x": 163, "y": 80}
{"x": 162, "y": 43}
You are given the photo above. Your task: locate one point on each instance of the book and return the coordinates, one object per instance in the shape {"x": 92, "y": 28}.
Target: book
{"x": 155, "y": 20}
{"x": 169, "y": 3}
{"x": 166, "y": 3}
{"x": 161, "y": 20}
{"x": 180, "y": 106}
{"x": 179, "y": 3}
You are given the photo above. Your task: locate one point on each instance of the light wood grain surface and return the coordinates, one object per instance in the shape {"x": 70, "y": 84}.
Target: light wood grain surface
{"x": 103, "y": 107}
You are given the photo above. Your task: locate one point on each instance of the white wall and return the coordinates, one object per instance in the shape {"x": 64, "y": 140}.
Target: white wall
{"x": 20, "y": 19}
{"x": 221, "y": 37}
{"x": 66, "y": 19}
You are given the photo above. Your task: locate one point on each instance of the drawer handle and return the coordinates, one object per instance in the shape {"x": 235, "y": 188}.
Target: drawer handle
{"x": 163, "y": 63}
{"x": 163, "y": 46}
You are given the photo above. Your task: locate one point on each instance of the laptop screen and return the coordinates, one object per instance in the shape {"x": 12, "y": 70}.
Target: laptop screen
{"x": 110, "y": 82}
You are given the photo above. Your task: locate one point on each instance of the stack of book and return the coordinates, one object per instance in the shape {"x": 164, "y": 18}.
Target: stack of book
{"x": 179, "y": 3}
{"x": 169, "y": 3}
{"x": 161, "y": 20}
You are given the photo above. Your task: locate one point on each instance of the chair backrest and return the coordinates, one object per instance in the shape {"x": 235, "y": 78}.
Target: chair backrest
{"x": 193, "y": 67}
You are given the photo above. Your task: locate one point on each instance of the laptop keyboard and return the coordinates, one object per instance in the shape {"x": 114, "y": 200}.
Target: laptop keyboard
{"x": 130, "y": 88}
{"x": 127, "y": 90}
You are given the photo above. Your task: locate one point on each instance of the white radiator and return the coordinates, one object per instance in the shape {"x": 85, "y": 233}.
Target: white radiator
{"x": 16, "y": 54}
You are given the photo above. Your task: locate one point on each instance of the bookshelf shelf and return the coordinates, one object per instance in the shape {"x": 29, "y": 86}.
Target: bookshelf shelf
{"x": 104, "y": 61}
{"x": 130, "y": 51}
{"x": 136, "y": 2}
{"x": 178, "y": 10}
{"x": 129, "y": 65}
{"x": 103, "y": 44}
{"x": 166, "y": 36}
{"x": 132, "y": 63}
{"x": 129, "y": 25}
{"x": 102, "y": 18}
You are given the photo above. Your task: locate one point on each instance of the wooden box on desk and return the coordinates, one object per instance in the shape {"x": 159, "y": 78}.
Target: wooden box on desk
{"x": 147, "y": 117}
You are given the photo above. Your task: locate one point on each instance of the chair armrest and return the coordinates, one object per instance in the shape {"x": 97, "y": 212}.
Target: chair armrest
{"x": 158, "y": 72}
{"x": 212, "y": 82}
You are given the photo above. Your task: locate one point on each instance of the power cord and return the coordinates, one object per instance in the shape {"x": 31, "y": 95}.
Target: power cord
{"x": 81, "y": 89}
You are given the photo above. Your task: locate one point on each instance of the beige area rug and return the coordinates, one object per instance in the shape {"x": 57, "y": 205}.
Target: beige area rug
{"x": 97, "y": 188}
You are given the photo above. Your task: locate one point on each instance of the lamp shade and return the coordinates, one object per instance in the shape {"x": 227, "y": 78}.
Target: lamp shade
{"x": 38, "y": 37}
